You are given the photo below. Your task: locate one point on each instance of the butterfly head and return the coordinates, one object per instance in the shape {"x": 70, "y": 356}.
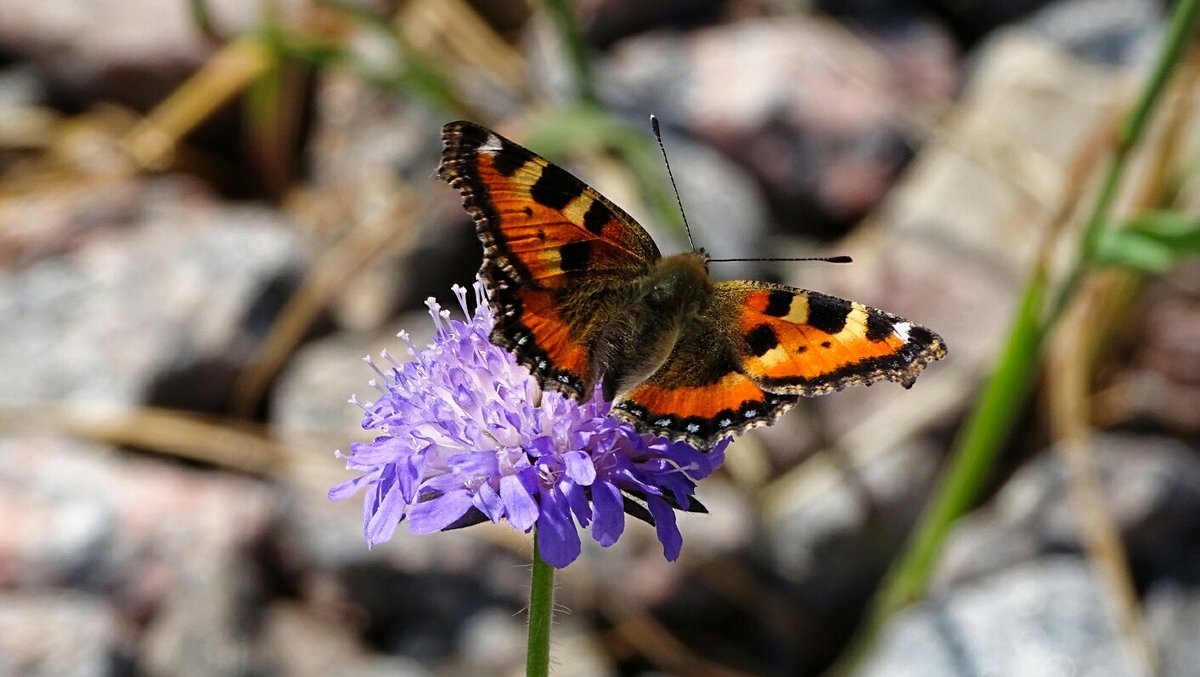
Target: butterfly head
{"x": 678, "y": 284}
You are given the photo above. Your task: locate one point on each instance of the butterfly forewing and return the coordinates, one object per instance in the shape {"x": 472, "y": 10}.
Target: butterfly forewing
{"x": 558, "y": 257}
{"x": 803, "y": 342}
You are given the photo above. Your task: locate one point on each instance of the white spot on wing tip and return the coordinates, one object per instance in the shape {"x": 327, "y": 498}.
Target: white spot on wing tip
{"x": 902, "y": 329}
{"x": 492, "y": 145}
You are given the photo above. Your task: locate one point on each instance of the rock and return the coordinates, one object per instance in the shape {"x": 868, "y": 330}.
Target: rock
{"x": 1160, "y": 385}
{"x": 728, "y": 223}
{"x": 62, "y": 524}
{"x": 605, "y": 22}
{"x": 829, "y": 529}
{"x": 1043, "y": 617}
{"x": 24, "y": 121}
{"x": 826, "y": 147}
{"x": 493, "y": 642}
{"x": 59, "y": 633}
{"x": 209, "y": 623}
{"x": 810, "y": 512}
{"x": 160, "y": 299}
{"x": 1151, "y": 488}
{"x": 1172, "y": 612}
{"x": 298, "y": 641}
{"x": 132, "y": 528}
{"x": 312, "y": 393}
{"x": 374, "y": 158}
{"x": 950, "y": 247}
{"x": 1116, "y": 32}
{"x": 146, "y": 48}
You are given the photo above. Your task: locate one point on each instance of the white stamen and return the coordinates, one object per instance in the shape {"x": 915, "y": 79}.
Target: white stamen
{"x": 371, "y": 363}
{"x": 461, "y": 293}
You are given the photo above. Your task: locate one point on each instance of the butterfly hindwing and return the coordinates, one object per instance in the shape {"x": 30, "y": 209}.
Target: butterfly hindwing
{"x": 808, "y": 343}
{"x": 700, "y": 394}
{"x": 558, "y": 256}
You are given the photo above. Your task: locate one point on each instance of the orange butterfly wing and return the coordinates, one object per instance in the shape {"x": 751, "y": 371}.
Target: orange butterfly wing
{"x": 807, "y": 343}
{"x": 758, "y": 347}
{"x": 557, "y": 254}
{"x": 700, "y": 394}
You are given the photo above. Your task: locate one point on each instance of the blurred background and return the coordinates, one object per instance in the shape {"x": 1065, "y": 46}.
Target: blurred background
{"x": 211, "y": 211}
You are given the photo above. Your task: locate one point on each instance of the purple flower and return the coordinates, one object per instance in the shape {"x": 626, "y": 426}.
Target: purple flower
{"x": 466, "y": 435}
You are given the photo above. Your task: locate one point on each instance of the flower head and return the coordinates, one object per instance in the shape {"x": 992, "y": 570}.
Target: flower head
{"x": 466, "y": 435}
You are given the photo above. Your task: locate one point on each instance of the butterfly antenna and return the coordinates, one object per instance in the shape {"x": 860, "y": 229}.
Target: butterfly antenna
{"x": 661, "y": 147}
{"x": 826, "y": 259}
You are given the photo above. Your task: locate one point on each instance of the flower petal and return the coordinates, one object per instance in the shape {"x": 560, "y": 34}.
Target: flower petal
{"x": 664, "y": 525}
{"x": 438, "y": 513}
{"x": 557, "y": 539}
{"x": 519, "y": 506}
{"x": 579, "y": 467}
{"x": 609, "y": 513}
{"x": 385, "y": 515}
{"x": 489, "y": 502}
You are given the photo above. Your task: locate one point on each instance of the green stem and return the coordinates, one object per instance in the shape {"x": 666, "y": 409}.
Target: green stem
{"x": 541, "y": 615}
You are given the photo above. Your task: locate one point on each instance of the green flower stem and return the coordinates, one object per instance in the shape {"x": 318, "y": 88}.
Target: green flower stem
{"x": 991, "y": 421}
{"x": 541, "y": 615}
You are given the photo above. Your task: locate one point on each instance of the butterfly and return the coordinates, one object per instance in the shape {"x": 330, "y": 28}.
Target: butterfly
{"x": 582, "y": 296}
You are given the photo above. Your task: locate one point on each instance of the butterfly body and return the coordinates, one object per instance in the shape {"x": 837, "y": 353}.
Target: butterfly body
{"x": 641, "y": 335}
{"x": 582, "y": 296}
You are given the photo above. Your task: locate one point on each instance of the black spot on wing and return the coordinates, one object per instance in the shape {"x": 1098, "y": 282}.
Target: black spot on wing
{"x": 555, "y": 188}
{"x": 779, "y": 303}
{"x": 574, "y": 256}
{"x": 827, "y": 313}
{"x": 920, "y": 336}
{"x": 470, "y": 136}
{"x": 596, "y": 216}
{"x": 879, "y": 327}
{"x": 761, "y": 339}
{"x": 510, "y": 158}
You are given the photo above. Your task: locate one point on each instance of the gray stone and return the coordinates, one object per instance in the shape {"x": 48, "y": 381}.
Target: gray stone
{"x": 1151, "y": 489}
{"x": 58, "y": 634}
{"x": 816, "y": 510}
{"x": 1106, "y": 31}
{"x": 145, "y": 49}
{"x": 167, "y": 287}
{"x": 829, "y": 143}
{"x": 1045, "y": 617}
{"x": 60, "y": 524}
{"x": 1172, "y": 613}
{"x": 208, "y": 624}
